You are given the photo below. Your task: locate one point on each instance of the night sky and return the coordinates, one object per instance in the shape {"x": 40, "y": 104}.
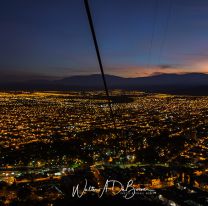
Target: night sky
{"x": 51, "y": 38}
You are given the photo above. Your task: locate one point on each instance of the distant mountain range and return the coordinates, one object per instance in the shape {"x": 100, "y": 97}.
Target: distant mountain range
{"x": 190, "y": 83}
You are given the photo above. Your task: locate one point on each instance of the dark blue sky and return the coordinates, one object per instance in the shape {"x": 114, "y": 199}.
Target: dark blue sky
{"x": 51, "y": 38}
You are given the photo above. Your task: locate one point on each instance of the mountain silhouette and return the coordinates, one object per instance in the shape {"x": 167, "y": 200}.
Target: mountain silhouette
{"x": 189, "y": 83}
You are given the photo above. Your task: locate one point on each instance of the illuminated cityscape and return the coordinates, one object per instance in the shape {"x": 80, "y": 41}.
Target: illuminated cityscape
{"x": 104, "y": 102}
{"x": 50, "y": 138}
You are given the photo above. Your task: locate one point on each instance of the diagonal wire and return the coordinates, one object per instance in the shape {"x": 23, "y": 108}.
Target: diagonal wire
{"x": 155, "y": 15}
{"x": 165, "y": 32}
{"x": 99, "y": 60}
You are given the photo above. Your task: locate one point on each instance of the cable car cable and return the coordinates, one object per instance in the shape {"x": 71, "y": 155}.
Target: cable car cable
{"x": 99, "y": 60}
